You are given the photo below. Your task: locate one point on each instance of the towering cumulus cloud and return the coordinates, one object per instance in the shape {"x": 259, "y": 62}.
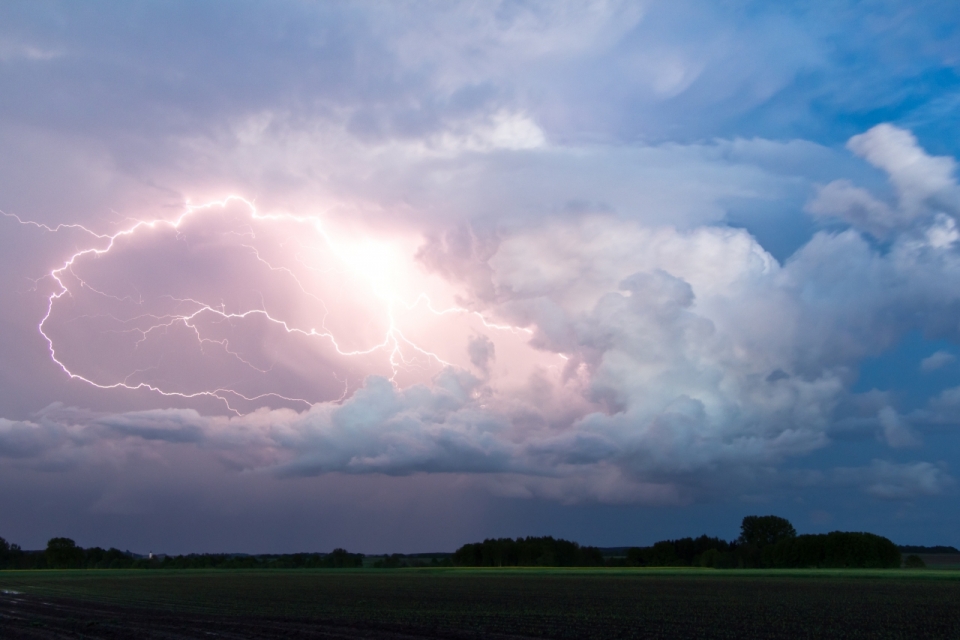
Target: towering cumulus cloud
{"x": 590, "y": 253}
{"x": 588, "y": 357}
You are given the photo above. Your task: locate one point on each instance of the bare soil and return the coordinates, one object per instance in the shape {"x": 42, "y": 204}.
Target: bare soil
{"x": 28, "y": 617}
{"x": 493, "y": 605}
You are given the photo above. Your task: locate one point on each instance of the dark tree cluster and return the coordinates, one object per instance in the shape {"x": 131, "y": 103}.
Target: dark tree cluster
{"x": 418, "y": 560}
{"x": 527, "y": 552}
{"x": 10, "y": 554}
{"x": 63, "y": 553}
{"x": 836, "y": 550}
{"x": 764, "y": 542}
{"x": 771, "y": 542}
{"x": 338, "y": 559}
{"x": 684, "y": 552}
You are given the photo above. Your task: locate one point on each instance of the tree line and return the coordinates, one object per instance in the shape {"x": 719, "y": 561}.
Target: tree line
{"x": 527, "y": 552}
{"x": 764, "y": 542}
{"x": 64, "y": 553}
{"x": 772, "y": 542}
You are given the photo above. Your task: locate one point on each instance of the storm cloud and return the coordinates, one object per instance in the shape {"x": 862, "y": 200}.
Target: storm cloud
{"x": 584, "y": 254}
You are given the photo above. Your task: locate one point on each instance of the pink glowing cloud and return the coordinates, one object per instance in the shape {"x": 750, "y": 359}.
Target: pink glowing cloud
{"x": 251, "y": 309}
{"x": 585, "y": 357}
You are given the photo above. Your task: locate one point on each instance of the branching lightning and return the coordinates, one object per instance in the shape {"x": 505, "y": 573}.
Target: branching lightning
{"x": 401, "y": 352}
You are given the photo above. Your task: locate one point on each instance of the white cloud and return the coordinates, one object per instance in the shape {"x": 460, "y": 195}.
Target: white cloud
{"x": 687, "y": 352}
{"x": 897, "y": 434}
{"x": 936, "y": 360}
{"x": 500, "y": 130}
{"x": 918, "y": 177}
{"x": 568, "y": 167}
{"x": 680, "y": 349}
{"x": 925, "y": 185}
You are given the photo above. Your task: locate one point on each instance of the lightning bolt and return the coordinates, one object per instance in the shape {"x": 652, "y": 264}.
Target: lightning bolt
{"x": 402, "y": 353}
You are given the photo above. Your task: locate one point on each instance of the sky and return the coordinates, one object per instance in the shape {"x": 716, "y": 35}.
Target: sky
{"x": 396, "y": 277}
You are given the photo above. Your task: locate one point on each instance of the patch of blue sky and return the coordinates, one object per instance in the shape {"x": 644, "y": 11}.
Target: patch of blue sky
{"x": 867, "y": 63}
{"x": 900, "y": 371}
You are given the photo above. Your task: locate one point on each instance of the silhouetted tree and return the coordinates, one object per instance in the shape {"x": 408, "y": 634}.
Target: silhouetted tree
{"x": 97, "y": 558}
{"x": 761, "y": 531}
{"x": 63, "y": 553}
{"x": 393, "y": 561}
{"x": 527, "y": 552}
{"x": 837, "y": 549}
{"x": 342, "y": 559}
{"x": 683, "y": 552}
{"x": 710, "y": 558}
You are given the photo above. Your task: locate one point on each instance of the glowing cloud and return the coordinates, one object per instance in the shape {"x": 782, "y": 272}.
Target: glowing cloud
{"x": 591, "y": 357}
{"x": 224, "y": 302}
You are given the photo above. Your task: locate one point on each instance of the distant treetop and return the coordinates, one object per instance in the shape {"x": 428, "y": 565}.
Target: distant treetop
{"x": 527, "y": 552}
{"x": 761, "y": 531}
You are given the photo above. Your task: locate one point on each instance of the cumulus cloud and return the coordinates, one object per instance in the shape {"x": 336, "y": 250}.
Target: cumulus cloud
{"x": 941, "y": 409}
{"x": 642, "y": 360}
{"x": 924, "y": 185}
{"x": 891, "y": 481}
{"x": 855, "y": 206}
{"x": 20, "y": 439}
{"x": 589, "y": 328}
{"x": 896, "y": 433}
{"x": 936, "y": 360}
{"x": 920, "y": 180}
{"x": 657, "y": 358}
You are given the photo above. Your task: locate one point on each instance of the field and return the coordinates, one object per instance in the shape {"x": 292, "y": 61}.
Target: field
{"x": 480, "y": 603}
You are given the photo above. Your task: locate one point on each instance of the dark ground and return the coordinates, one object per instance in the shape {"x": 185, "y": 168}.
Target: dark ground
{"x": 471, "y": 605}
{"x": 941, "y": 560}
{"x": 35, "y": 618}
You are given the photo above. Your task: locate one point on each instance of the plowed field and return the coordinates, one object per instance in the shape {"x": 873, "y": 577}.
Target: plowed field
{"x": 476, "y": 604}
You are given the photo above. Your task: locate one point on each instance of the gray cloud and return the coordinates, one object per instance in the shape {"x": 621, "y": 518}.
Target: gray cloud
{"x": 482, "y": 351}
{"x": 936, "y": 360}
{"x": 25, "y": 439}
{"x": 896, "y": 432}
{"x": 166, "y": 425}
{"x": 891, "y": 481}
